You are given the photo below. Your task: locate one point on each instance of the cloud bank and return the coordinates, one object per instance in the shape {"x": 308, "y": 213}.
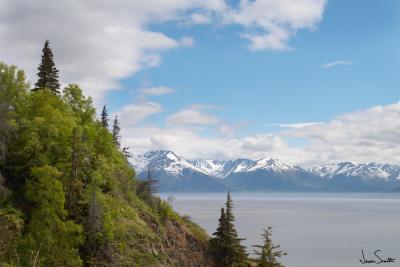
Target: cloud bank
{"x": 361, "y": 136}
{"x": 98, "y": 43}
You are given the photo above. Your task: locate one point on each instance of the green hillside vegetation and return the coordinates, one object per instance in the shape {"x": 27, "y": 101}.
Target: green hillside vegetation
{"x": 68, "y": 196}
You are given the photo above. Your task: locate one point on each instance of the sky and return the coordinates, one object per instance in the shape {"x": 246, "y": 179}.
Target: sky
{"x": 306, "y": 81}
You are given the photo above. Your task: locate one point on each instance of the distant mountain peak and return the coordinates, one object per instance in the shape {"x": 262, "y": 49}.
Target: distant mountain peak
{"x": 163, "y": 160}
{"x": 370, "y": 170}
{"x": 270, "y": 163}
{"x": 266, "y": 173}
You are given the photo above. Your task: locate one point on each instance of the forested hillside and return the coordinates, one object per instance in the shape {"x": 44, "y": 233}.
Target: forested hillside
{"x": 68, "y": 196}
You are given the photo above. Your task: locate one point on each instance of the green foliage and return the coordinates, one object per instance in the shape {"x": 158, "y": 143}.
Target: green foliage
{"x": 268, "y": 253}
{"x": 12, "y": 89}
{"x": 52, "y": 239}
{"x": 67, "y": 193}
{"x": 81, "y": 106}
{"x": 48, "y": 73}
{"x": 11, "y": 226}
{"x": 226, "y": 244}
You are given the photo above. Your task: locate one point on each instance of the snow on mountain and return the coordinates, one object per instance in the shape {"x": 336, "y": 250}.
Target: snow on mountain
{"x": 238, "y": 165}
{"x": 212, "y": 167}
{"x": 166, "y": 161}
{"x": 366, "y": 171}
{"x": 178, "y": 173}
{"x": 330, "y": 170}
{"x": 269, "y": 163}
{"x": 173, "y": 164}
{"x": 222, "y": 169}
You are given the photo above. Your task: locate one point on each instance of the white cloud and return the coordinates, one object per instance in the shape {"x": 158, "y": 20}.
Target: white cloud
{"x": 362, "y": 136}
{"x": 191, "y": 116}
{"x": 182, "y": 140}
{"x": 200, "y": 18}
{"x": 276, "y": 39}
{"x": 295, "y": 125}
{"x": 98, "y": 43}
{"x": 156, "y": 91}
{"x": 134, "y": 113}
{"x": 367, "y": 135}
{"x": 187, "y": 41}
{"x": 336, "y": 63}
{"x": 271, "y": 23}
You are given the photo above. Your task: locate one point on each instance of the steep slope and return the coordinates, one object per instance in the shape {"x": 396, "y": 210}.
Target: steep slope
{"x": 68, "y": 196}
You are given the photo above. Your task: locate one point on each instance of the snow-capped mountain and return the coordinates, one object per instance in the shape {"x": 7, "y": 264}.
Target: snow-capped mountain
{"x": 274, "y": 175}
{"x": 166, "y": 161}
{"x": 370, "y": 170}
{"x": 222, "y": 169}
{"x": 176, "y": 173}
{"x": 212, "y": 167}
{"x": 269, "y": 163}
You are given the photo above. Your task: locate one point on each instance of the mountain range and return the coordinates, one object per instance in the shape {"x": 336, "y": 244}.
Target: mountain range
{"x": 178, "y": 174}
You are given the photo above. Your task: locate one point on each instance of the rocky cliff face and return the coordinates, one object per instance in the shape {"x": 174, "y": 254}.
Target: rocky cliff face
{"x": 184, "y": 249}
{"x": 181, "y": 245}
{"x": 178, "y": 242}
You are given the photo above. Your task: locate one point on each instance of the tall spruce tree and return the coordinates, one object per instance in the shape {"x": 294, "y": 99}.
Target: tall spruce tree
{"x": 218, "y": 243}
{"x": 226, "y": 244}
{"x": 116, "y": 131}
{"x": 268, "y": 253}
{"x": 236, "y": 251}
{"x": 104, "y": 117}
{"x": 48, "y": 73}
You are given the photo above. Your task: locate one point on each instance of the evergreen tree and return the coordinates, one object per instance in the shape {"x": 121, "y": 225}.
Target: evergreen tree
{"x": 218, "y": 243}
{"x": 104, "y": 117}
{"x": 126, "y": 152}
{"x": 236, "y": 251}
{"x": 116, "y": 131}
{"x": 48, "y": 73}
{"x": 226, "y": 244}
{"x": 268, "y": 253}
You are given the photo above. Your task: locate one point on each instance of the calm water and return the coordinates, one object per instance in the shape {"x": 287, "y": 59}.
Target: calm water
{"x": 316, "y": 230}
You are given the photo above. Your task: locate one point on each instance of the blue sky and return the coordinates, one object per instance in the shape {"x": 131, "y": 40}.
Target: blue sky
{"x": 266, "y": 87}
{"x": 307, "y": 81}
